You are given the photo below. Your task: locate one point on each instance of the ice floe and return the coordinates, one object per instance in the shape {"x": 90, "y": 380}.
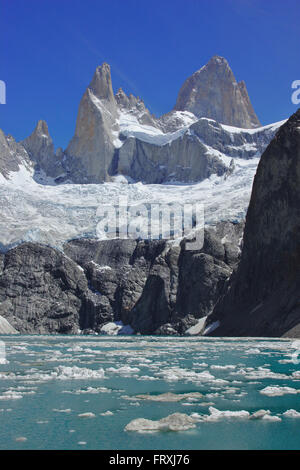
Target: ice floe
{"x": 291, "y": 414}
{"x": 174, "y": 374}
{"x": 169, "y": 397}
{"x": 88, "y": 414}
{"x": 173, "y": 422}
{"x": 277, "y": 391}
{"x": 88, "y": 390}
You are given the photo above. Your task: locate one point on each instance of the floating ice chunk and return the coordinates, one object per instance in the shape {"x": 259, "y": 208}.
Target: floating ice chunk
{"x": 173, "y": 422}
{"x": 74, "y": 372}
{"x": 87, "y": 415}
{"x": 67, "y": 410}
{"x": 21, "y": 439}
{"x": 291, "y": 414}
{"x": 249, "y": 373}
{"x": 260, "y": 414}
{"x": 170, "y": 397}
{"x": 271, "y": 418}
{"x": 222, "y": 367}
{"x": 276, "y": 391}
{"x": 147, "y": 377}
{"x": 89, "y": 390}
{"x": 11, "y": 395}
{"x": 174, "y": 374}
{"x": 107, "y": 413}
{"x": 216, "y": 415}
{"x": 124, "y": 370}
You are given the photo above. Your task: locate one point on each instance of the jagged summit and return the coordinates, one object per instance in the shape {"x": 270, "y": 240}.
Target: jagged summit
{"x": 117, "y": 134}
{"x": 39, "y": 144}
{"x": 219, "y": 60}
{"x": 40, "y": 148}
{"x": 213, "y": 92}
{"x": 101, "y": 84}
{"x": 41, "y": 129}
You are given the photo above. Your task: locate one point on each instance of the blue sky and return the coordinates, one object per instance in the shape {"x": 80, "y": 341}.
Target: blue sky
{"x": 50, "y": 49}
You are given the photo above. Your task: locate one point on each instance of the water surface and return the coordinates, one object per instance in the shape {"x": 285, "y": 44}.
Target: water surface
{"x": 48, "y": 381}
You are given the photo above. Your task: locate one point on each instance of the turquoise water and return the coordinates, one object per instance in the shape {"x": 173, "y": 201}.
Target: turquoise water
{"x": 48, "y": 382}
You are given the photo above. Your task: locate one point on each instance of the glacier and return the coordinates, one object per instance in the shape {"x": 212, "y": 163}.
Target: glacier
{"x": 53, "y": 213}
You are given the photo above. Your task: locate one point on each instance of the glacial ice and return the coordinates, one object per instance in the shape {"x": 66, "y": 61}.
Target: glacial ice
{"x": 53, "y": 214}
{"x": 168, "y": 397}
{"x": 173, "y": 422}
{"x": 87, "y": 415}
{"x": 276, "y": 391}
{"x": 291, "y": 414}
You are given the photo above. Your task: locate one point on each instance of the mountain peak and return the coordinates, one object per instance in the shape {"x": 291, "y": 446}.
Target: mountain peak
{"x": 214, "y": 93}
{"x": 101, "y": 84}
{"x": 41, "y": 129}
{"x": 217, "y": 59}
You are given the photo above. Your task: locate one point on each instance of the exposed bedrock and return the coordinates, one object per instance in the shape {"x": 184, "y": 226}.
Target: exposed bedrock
{"x": 154, "y": 286}
{"x": 262, "y": 298}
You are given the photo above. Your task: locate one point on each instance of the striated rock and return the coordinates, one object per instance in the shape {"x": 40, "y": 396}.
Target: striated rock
{"x": 213, "y": 92}
{"x": 262, "y": 298}
{"x": 43, "y": 291}
{"x": 156, "y": 287}
{"x": 91, "y": 150}
{"x": 153, "y": 286}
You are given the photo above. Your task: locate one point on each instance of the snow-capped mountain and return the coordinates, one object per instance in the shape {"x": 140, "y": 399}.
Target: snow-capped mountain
{"x": 213, "y": 92}
{"x": 117, "y": 135}
{"x": 53, "y": 196}
{"x": 72, "y": 279}
{"x": 34, "y": 209}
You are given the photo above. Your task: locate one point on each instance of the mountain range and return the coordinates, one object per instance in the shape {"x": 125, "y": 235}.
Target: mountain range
{"x": 117, "y": 135}
{"x": 57, "y": 276}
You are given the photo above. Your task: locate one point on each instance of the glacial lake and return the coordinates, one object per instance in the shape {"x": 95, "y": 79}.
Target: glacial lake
{"x": 66, "y": 392}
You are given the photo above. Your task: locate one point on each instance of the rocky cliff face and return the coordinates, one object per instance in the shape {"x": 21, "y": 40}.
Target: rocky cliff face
{"x": 155, "y": 287}
{"x": 262, "y": 298}
{"x": 43, "y": 291}
{"x": 205, "y": 148}
{"x": 91, "y": 150}
{"x": 213, "y": 92}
